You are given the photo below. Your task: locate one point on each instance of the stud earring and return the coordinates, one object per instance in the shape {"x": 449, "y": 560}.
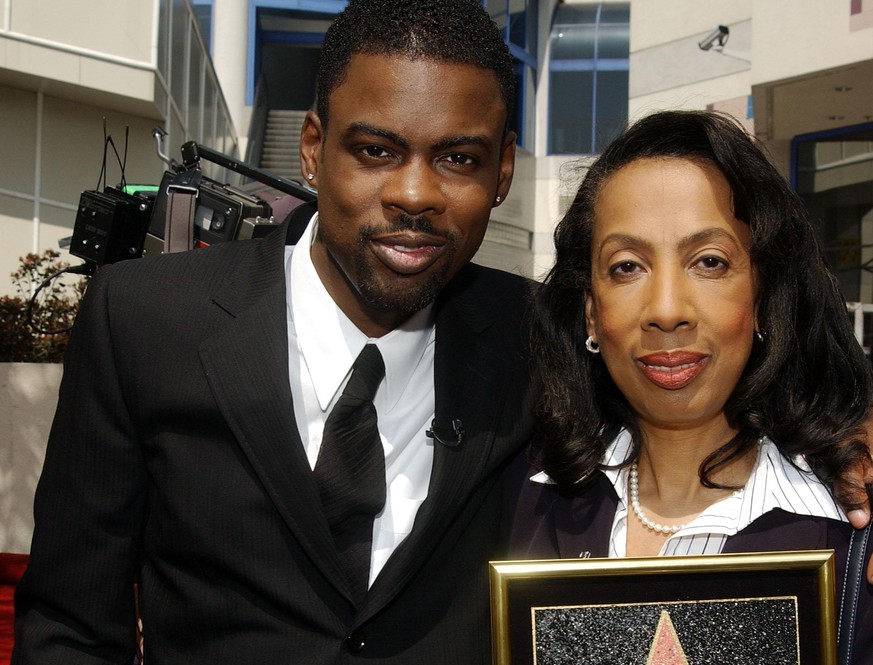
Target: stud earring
{"x": 760, "y": 335}
{"x": 591, "y": 345}
{"x": 497, "y": 200}
{"x": 309, "y": 176}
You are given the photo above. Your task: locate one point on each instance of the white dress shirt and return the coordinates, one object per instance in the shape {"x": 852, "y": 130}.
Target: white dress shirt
{"x": 322, "y": 345}
{"x": 774, "y": 483}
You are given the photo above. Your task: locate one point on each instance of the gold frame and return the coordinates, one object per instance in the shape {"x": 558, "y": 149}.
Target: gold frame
{"x": 519, "y": 586}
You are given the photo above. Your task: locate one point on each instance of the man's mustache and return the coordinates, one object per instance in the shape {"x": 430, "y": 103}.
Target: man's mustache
{"x": 406, "y": 222}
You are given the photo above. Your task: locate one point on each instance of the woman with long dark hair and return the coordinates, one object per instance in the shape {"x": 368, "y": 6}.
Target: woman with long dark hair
{"x": 700, "y": 386}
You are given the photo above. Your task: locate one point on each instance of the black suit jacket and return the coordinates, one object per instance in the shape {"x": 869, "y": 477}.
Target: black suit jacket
{"x": 544, "y": 523}
{"x": 175, "y": 459}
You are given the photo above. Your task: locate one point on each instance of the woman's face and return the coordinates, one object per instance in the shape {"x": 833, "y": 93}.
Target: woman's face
{"x": 673, "y": 290}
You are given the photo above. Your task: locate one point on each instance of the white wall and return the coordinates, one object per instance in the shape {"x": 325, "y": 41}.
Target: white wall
{"x": 28, "y": 395}
{"x": 797, "y": 37}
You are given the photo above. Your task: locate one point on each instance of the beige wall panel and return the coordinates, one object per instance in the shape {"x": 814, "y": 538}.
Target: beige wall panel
{"x": 16, "y": 222}
{"x": 557, "y": 179}
{"x": 695, "y": 96}
{"x": 655, "y": 22}
{"x": 797, "y": 37}
{"x": 121, "y": 28}
{"x": 28, "y": 396}
{"x": 39, "y": 61}
{"x": 73, "y": 149}
{"x": 117, "y": 79}
{"x": 17, "y": 136}
{"x": 518, "y": 209}
{"x": 780, "y": 154}
{"x": 56, "y": 222}
{"x": 862, "y": 21}
{"x": 502, "y": 257}
{"x": 63, "y": 68}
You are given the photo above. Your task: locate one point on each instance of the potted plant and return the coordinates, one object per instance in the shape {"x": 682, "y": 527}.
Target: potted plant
{"x": 37, "y": 329}
{"x": 30, "y": 373}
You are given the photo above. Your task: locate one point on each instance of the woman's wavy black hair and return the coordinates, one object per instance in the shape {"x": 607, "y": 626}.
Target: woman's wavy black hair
{"x": 807, "y": 385}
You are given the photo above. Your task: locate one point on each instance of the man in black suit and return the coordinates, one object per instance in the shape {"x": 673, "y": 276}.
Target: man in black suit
{"x": 186, "y": 448}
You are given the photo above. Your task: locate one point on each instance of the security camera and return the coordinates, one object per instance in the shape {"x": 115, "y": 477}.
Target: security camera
{"x": 719, "y": 37}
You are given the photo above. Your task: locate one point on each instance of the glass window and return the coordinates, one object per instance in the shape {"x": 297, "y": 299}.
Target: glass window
{"x": 203, "y": 15}
{"x": 833, "y": 174}
{"x": 588, "y": 76}
{"x": 195, "y": 92}
{"x": 517, "y": 20}
{"x": 179, "y": 29}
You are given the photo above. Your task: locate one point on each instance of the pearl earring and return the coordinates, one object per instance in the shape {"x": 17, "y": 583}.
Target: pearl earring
{"x": 309, "y": 176}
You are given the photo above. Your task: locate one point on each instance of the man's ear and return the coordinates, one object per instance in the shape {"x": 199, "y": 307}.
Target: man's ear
{"x": 311, "y": 136}
{"x": 507, "y": 166}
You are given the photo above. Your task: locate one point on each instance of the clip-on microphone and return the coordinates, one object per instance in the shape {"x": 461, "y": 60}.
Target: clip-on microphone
{"x": 450, "y": 439}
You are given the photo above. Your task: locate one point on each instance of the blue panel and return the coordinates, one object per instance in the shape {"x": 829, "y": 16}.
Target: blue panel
{"x": 315, "y": 6}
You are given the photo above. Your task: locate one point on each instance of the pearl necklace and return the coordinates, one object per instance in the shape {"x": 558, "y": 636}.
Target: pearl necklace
{"x": 633, "y": 486}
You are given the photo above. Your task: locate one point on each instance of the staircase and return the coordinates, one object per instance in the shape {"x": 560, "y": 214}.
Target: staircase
{"x": 281, "y": 149}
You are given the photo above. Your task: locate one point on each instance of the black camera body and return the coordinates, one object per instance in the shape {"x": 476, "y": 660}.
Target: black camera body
{"x": 221, "y": 213}
{"x": 110, "y": 226}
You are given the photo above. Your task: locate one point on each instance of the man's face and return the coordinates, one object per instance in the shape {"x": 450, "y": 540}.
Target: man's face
{"x": 407, "y": 172}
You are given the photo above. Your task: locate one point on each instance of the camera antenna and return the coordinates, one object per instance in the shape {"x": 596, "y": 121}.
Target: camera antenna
{"x": 122, "y": 162}
{"x": 102, "y": 177}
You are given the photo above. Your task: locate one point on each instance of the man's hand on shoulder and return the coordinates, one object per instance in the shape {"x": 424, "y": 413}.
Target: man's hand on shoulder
{"x": 852, "y": 490}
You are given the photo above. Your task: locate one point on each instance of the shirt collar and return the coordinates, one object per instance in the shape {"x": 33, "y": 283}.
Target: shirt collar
{"x": 775, "y": 483}
{"x": 330, "y": 347}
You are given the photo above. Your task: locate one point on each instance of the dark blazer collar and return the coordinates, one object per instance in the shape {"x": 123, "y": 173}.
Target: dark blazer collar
{"x": 583, "y": 524}
{"x": 262, "y": 268}
{"x": 297, "y": 221}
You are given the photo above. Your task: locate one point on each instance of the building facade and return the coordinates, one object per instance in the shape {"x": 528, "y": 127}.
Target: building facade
{"x": 234, "y": 75}
{"x": 799, "y": 74}
{"x": 76, "y": 76}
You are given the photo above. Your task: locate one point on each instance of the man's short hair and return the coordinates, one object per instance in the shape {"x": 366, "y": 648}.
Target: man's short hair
{"x": 453, "y": 31}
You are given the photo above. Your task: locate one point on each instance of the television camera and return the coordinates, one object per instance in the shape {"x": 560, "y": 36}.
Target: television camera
{"x": 186, "y": 211}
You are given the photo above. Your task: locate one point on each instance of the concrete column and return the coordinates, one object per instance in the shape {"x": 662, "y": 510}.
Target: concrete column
{"x": 230, "y": 30}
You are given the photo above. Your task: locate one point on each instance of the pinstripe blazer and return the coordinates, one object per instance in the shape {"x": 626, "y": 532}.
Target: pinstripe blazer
{"x": 174, "y": 459}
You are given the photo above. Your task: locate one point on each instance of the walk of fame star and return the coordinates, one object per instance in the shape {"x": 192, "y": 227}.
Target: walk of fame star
{"x": 666, "y": 648}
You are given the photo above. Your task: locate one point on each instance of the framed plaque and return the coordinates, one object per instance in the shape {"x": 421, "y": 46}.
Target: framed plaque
{"x": 761, "y": 608}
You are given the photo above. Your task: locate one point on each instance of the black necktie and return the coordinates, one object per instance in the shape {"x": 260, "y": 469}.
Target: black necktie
{"x": 350, "y": 469}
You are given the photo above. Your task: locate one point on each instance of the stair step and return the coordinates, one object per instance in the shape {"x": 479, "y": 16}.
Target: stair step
{"x": 280, "y": 152}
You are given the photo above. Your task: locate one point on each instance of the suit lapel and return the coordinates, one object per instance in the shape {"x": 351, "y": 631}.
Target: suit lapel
{"x": 247, "y": 369}
{"x": 583, "y": 524}
{"x": 778, "y": 530}
{"x": 469, "y": 386}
